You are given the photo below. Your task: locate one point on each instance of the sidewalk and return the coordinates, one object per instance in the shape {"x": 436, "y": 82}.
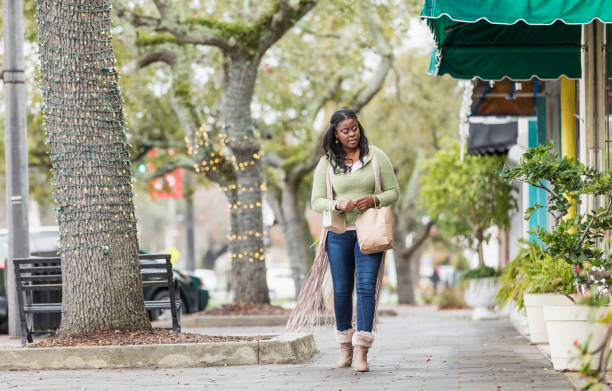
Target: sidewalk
{"x": 421, "y": 349}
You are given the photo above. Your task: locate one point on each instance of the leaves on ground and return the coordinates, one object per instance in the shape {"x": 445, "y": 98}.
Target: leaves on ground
{"x": 247, "y": 309}
{"x": 137, "y": 337}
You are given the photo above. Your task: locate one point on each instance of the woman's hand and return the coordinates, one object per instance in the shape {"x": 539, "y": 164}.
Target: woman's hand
{"x": 346, "y": 205}
{"x": 365, "y": 203}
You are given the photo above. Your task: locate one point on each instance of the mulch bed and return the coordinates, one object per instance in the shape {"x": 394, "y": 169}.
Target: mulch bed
{"x": 246, "y": 309}
{"x": 140, "y": 337}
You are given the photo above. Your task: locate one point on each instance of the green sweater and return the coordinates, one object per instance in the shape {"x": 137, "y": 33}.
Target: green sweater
{"x": 354, "y": 185}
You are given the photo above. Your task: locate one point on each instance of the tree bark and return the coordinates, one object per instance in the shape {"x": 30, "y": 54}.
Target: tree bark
{"x": 480, "y": 239}
{"x": 406, "y": 263}
{"x": 102, "y": 285}
{"x": 246, "y": 246}
{"x": 296, "y": 235}
{"x": 407, "y": 276}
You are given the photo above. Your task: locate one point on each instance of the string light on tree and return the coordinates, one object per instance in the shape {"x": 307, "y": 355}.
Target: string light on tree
{"x": 213, "y": 156}
{"x": 85, "y": 127}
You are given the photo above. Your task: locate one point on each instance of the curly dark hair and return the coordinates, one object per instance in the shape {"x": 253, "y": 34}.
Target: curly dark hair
{"x": 333, "y": 150}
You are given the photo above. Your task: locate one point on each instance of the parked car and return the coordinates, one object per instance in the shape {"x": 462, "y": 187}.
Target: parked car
{"x": 43, "y": 243}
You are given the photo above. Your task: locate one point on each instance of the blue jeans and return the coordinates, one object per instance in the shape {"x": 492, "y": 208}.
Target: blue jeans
{"x": 347, "y": 261}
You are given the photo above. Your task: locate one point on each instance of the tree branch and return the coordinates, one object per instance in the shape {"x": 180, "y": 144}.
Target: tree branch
{"x": 279, "y": 22}
{"x": 419, "y": 242}
{"x": 359, "y": 101}
{"x": 330, "y": 90}
{"x": 180, "y": 161}
{"x": 170, "y": 22}
{"x": 162, "y": 55}
{"x": 383, "y": 48}
{"x": 595, "y": 217}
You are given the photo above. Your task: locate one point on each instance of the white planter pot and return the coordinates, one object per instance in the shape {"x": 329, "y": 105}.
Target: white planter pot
{"x": 534, "y": 303}
{"x": 566, "y": 324}
{"x": 480, "y": 294}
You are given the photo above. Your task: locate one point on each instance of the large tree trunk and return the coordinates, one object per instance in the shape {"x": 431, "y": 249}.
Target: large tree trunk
{"x": 296, "y": 233}
{"x": 91, "y": 168}
{"x": 407, "y": 275}
{"x": 247, "y": 247}
{"x": 407, "y": 260}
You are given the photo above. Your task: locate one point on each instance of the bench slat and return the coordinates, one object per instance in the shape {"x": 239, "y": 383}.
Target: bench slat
{"x": 47, "y": 277}
{"x": 155, "y": 274}
{"x": 155, "y": 283}
{"x": 37, "y": 259}
{"x": 43, "y": 269}
{"x": 163, "y": 257}
{"x": 144, "y": 269}
{"x": 57, "y": 307}
{"x": 160, "y": 304}
{"x": 145, "y": 266}
{"x": 43, "y": 308}
{"x": 42, "y": 287}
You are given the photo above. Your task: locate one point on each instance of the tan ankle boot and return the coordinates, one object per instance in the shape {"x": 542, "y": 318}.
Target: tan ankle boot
{"x": 346, "y": 355}
{"x": 361, "y": 359}
{"x": 344, "y": 338}
{"x": 362, "y": 340}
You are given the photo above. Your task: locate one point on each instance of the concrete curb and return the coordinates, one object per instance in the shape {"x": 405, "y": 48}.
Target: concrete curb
{"x": 284, "y": 349}
{"x": 203, "y": 321}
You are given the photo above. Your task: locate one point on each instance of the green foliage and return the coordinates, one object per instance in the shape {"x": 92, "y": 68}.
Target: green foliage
{"x": 466, "y": 197}
{"x": 479, "y": 272}
{"x": 449, "y": 299}
{"x": 460, "y": 262}
{"x": 246, "y": 36}
{"x": 594, "y": 298}
{"x": 575, "y": 239}
{"x": 533, "y": 271}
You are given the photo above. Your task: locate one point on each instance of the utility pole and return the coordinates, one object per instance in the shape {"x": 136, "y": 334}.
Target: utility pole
{"x": 16, "y": 149}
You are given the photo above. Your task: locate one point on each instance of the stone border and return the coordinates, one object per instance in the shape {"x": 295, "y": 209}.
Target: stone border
{"x": 284, "y": 349}
{"x": 203, "y": 321}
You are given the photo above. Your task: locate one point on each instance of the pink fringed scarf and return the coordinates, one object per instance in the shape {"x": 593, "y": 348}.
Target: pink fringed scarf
{"x": 306, "y": 312}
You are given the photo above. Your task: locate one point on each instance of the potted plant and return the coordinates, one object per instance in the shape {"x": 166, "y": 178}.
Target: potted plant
{"x": 575, "y": 238}
{"x": 465, "y": 198}
{"x": 534, "y": 279}
{"x": 480, "y": 290}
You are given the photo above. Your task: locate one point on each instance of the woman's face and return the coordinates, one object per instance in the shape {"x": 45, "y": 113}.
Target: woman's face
{"x": 348, "y": 133}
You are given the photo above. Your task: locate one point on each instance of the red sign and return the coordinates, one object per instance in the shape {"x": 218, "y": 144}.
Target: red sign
{"x": 168, "y": 186}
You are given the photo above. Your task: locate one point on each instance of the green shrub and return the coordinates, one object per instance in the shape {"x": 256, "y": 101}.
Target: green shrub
{"x": 533, "y": 271}
{"x": 479, "y": 272}
{"x": 449, "y": 299}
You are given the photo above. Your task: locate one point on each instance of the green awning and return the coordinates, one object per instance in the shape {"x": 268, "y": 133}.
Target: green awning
{"x": 517, "y": 39}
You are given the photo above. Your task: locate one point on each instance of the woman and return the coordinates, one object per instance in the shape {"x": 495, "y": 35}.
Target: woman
{"x": 347, "y": 150}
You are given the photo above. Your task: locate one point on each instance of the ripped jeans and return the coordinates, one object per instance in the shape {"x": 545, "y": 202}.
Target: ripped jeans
{"x": 347, "y": 262}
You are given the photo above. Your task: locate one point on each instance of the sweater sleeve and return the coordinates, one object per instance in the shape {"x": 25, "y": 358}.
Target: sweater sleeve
{"x": 388, "y": 181}
{"x": 319, "y": 199}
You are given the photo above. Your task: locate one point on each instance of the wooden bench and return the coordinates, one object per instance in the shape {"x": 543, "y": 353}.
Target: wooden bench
{"x": 45, "y": 274}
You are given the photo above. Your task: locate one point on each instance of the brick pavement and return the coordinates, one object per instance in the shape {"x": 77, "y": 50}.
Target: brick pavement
{"x": 421, "y": 349}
